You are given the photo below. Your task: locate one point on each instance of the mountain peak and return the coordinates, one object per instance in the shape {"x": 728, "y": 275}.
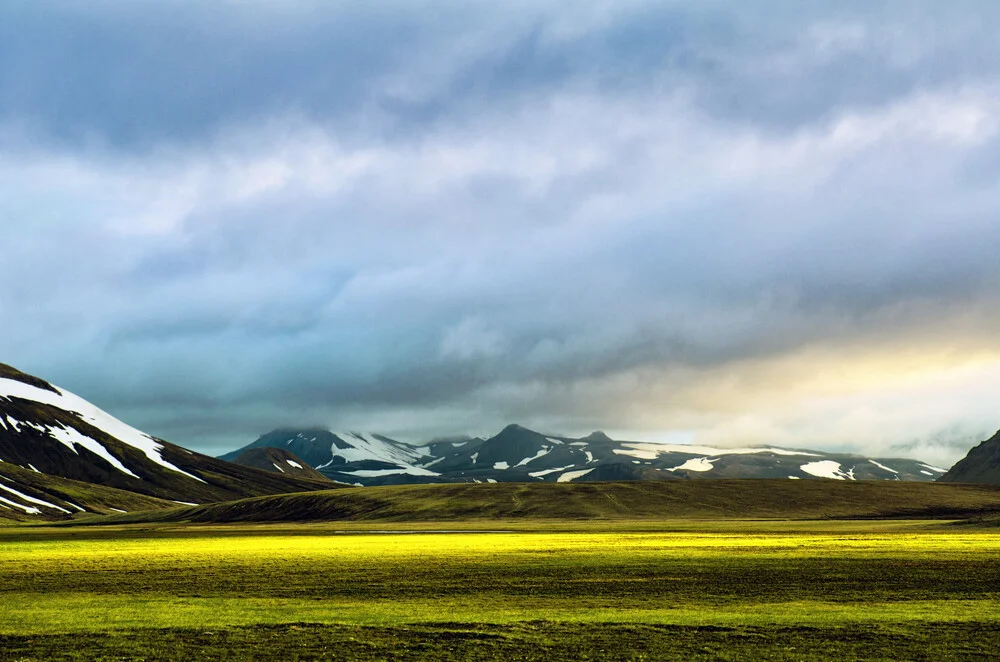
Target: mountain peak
{"x": 597, "y": 435}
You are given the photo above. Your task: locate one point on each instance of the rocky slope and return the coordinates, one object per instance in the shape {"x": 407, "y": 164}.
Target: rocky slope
{"x": 981, "y": 465}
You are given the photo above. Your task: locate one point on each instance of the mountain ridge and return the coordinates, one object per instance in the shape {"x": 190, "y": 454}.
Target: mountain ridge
{"x": 519, "y": 454}
{"x": 980, "y": 465}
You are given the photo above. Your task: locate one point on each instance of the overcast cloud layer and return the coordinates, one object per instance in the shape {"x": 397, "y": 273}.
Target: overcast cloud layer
{"x": 726, "y": 222}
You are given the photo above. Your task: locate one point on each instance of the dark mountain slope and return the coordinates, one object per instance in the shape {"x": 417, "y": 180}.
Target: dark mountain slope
{"x": 981, "y": 465}
{"x": 46, "y": 430}
{"x": 278, "y": 460}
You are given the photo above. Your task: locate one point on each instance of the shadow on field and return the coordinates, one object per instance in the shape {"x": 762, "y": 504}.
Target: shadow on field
{"x": 540, "y": 640}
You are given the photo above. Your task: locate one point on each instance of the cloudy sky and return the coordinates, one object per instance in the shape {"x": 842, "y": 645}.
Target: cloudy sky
{"x": 724, "y": 222}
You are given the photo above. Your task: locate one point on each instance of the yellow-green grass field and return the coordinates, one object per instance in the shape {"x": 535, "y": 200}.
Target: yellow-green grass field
{"x": 552, "y": 590}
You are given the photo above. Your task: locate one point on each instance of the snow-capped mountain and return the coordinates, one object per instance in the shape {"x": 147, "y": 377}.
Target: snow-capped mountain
{"x": 53, "y": 439}
{"x": 350, "y": 457}
{"x": 520, "y": 454}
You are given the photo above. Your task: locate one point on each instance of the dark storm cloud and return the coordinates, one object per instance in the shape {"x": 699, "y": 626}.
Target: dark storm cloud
{"x": 137, "y": 75}
{"x": 437, "y": 217}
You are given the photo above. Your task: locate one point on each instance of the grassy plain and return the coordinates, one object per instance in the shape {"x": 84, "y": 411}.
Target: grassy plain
{"x": 536, "y": 590}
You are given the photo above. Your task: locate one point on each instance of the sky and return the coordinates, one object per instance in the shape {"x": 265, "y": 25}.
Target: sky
{"x": 706, "y": 221}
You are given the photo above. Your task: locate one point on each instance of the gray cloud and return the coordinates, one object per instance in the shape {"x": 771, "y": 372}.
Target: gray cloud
{"x": 440, "y": 217}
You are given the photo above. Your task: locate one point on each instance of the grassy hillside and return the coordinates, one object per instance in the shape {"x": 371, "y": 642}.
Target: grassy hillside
{"x": 63, "y": 492}
{"x": 654, "y": 500}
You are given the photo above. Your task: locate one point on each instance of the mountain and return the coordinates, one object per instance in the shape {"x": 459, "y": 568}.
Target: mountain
{"x": 518, "y": 454}
{"x": 52, "y": 443}
{"x": 350, "y": 457}
{"x": 278, "y": 460}
{"x": 981, "y": 465}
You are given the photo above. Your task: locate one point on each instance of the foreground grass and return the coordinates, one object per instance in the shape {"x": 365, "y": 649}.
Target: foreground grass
{"x": 566, "y": 590}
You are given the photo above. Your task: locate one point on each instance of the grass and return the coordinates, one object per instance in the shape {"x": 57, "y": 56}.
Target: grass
{"x": 542, "y": 590}
{"x": 64, "y": 491}
{"x": 654, "y": 500}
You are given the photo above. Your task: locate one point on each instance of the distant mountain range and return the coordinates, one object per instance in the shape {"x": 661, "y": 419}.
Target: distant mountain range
{"x": 60, "y": 455}
{"x": 520, "y": 454}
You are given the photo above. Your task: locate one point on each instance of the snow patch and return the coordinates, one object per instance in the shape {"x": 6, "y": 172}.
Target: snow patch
{"x": 500, "y": 466}
{"x": 294, "y": 464}
{"x": 71, "y": 438}
{"x": 366, "y": 446}
{"x": 572, "y": 475}
{"x": 883, "y": 467}
{"x": 542, "y": 452}
{"x": 31, "y": 499}
{"x": 275, "y": 465}
{"x": 695, "y": 464}
{"x": 933, "y": 468}
{"x": 546, "y": 472}
{"x": 650, "y": 451}
{"x": 641, "y": 454}
{"x": 826, "y": 469}
{"x": 31, "y": 510}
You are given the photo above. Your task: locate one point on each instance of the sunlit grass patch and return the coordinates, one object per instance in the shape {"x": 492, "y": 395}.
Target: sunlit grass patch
{"x": 895, "y": 578}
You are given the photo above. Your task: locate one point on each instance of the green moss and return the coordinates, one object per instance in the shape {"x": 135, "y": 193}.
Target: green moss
{"x": 799, "y": 590}
{"x": 10, "y": 372}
